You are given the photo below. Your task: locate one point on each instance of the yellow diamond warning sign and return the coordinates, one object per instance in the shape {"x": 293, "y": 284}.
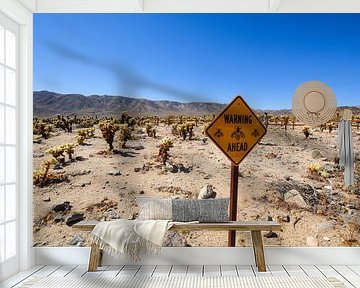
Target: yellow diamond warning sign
{"x": 236, "y": 130}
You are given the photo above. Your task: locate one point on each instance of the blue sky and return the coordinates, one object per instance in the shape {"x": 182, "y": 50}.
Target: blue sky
{"x": 198, "y": 57}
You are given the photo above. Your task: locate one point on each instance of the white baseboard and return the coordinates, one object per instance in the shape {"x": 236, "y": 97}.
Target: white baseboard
{"x": 209, "y": 256}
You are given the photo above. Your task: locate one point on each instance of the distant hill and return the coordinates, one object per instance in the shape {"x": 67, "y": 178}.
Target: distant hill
{"x": 47, "y": 104}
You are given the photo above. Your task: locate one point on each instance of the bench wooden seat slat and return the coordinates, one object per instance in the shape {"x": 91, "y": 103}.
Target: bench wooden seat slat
{"x": 255, "y": 227}
{"x": 232, "y": 225}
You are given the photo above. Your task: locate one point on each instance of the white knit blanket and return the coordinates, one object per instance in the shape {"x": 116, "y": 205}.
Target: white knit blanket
{"x": 130, "y": 237}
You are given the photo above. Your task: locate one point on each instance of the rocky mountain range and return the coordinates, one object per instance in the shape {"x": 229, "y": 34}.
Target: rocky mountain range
{"x": 48, "y": 104}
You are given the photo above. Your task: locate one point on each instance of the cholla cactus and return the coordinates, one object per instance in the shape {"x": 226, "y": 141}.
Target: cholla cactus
{"x": 58, "y": 153}
{"x": 293, "y": 121}
{"x": 108, "y": 129}
{"x": 149, "y": 129}
{"x": 189, "y": 129}
{"x": 64, "y": 123}
{"x": 42, "y": 128}
{"x": 69, "y": 149}
{"x": 182, "y": 129}
{"x": 40, "y": 177}
{"x": 124, "y": 134}
{"x": 286, "y": 121}
{"x": 306, "y": 130}
{"x": 83, "y": 134}
{"x": 164, "y": 148}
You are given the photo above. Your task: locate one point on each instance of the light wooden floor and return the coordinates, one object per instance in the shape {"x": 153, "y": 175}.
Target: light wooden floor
{"x": 350, "y": 275}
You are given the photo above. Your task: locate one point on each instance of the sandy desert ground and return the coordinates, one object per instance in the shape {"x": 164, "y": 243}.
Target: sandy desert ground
{"x": 325, "y": 212}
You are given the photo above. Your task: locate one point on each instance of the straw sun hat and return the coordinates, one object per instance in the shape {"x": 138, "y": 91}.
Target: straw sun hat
{"x": 314, "y": 103}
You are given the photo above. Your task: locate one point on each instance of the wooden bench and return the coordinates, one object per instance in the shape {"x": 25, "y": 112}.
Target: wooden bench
{"x": 255, "y": 227}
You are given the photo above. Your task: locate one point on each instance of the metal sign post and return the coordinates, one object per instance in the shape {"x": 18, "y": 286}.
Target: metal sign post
{"x": 235, "y": 132}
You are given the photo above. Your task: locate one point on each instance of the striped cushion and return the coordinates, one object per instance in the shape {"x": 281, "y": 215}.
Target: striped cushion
{"x": 183, "y": 210}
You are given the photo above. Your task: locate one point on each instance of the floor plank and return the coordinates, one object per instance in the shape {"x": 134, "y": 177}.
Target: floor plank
{"x": 162, "y": 271}
{"x": 195, "y": 271}
{"x": 212, "y": 270}
{"x": 146, "y": 271}
{"x": 178, "y": 270}
{"x": 355, "y": 268}
{"x": 311, "y": 271}
{"x": 100, "y": 270}
{"x": 79, "y": 271}
{"x": 129, "y": 271}
{"x": 278, "y": 270}
{"x": 261, "y": 274}
{"x": 20, "y": 277}
{"x": 62, "y": 271}
{"x": 352, "y": 277}
{"x": 294, "y": 270}
{"x": 112, "y": 270}
{"x": 229, "y": 270}
{"x": 328, "y": 271}
{"x": 46, "y": 271}
{"x": 245, "y": 271}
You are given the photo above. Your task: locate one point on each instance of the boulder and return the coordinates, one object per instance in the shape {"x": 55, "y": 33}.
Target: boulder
{"x": 62, "y": 207}
{"x": 74, "y": 218}
{"x": 206, "y": 192}
{"x": 294, "y": 197}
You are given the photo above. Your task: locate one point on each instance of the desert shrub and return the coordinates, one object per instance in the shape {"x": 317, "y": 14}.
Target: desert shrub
{"x": 125, "y": 134}
{"x": 293, "y": 121}
{"x": 164, "y": 149}
{"x": 307, "y": 131}
{"x": 182, "y": 129}
{"x": 83, "y": 134}
{"x": 42, "y": 176}
{"x": 150, "y": 130}
{"x": 190, "y": 129}
{"x": 42, "y": 128}
{"x": 64, "y": 123}
{"x": 58, "y": 152}
{"x": 108, "y": 129}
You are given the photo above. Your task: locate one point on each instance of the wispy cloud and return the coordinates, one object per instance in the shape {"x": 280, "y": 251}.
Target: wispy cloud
{"x": 130, "y": 82}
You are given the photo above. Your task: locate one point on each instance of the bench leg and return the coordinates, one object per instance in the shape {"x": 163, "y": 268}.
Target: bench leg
{"x": 94, "y": 259}
{"x": 258, "y": 250}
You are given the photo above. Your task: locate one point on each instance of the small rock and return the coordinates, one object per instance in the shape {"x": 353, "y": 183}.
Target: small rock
{"x": 112, "y": 213}
{"x": 77, "y": 239}
{"x": 58, "y": 218}
{"x": 137, "y": 169}
{"x": 206, "y": 192}
{"x": 38, "y": 155}
{"x": 47, "y": 199}
{"x": 316, "y": 154}
{"x": 287, "y": 177}
{"x": 311, "y": 241}
{"x": 326, "y": 239}
{"x": 207, "y": 177}
{"x": 114, "y": 173}
{"x": 141, "y": 192}
{"x": 283, "y": 218}
{"x": 57, "y": 166}
{"x": 357, "y": 191}
{"x": 294, "y": 197}
{"x": 62, "y": 207}
{"x": 74, "y": 218}
{"x": 146, "y": 167}
{"x": 171, "y": 168}
{"x": 271, "y": 234}
{"x": 80, "y": 158}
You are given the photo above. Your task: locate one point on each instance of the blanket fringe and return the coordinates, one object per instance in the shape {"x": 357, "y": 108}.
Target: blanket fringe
{"x": 135, "y": 245}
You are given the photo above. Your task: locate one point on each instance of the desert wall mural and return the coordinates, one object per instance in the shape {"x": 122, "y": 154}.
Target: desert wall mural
{"x": 121, "y": 103}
